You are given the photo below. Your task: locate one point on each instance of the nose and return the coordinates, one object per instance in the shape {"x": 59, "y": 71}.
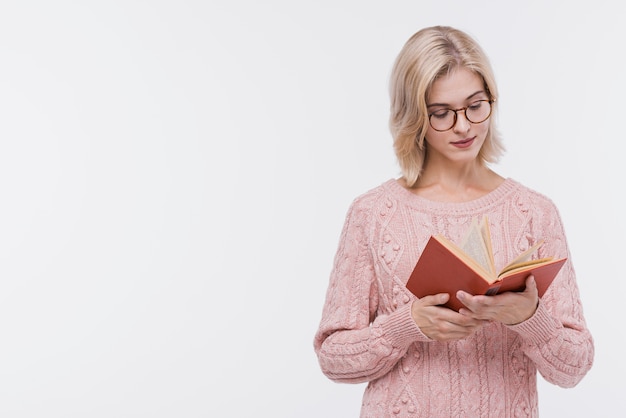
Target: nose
{"x": 462, "y": 124}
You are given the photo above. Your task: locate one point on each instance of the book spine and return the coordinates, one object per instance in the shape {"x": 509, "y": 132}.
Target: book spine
{"x": 492, "y": 291}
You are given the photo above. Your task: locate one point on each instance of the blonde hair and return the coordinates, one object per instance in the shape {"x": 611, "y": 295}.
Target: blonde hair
{"x": 429, "y": 54}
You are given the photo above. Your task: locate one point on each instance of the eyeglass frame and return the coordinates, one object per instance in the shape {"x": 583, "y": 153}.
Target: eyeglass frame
{"x": 464, "y": 109}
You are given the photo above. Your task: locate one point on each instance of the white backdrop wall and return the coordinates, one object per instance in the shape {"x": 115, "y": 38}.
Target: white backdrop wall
{"x": 174, "y": 176}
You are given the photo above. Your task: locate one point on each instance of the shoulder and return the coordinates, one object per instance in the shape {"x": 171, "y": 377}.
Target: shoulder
{"x": 375, "y": 197}
{"x": 373, "y": 201}
{"x": 527, "y": 196}
{"x": 532, "y": 204}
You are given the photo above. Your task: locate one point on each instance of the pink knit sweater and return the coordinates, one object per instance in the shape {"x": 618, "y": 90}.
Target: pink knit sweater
{"x": 367, "y": 333}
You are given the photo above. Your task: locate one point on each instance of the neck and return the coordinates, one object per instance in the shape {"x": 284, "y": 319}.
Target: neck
{"x": 454, "y": 175}
{"x": 456, "y": 184}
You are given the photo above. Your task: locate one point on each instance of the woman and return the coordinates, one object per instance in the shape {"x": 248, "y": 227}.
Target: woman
{"x": 422, "y": 359}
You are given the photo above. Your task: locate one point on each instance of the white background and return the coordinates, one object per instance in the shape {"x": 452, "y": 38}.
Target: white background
{"x": 174, "y": 176}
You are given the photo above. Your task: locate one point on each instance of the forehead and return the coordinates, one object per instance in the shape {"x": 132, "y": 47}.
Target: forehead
{"x": 456, "y": 86}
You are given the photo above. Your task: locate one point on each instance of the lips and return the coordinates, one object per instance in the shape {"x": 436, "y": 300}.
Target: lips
{"x": 464, "y": 143}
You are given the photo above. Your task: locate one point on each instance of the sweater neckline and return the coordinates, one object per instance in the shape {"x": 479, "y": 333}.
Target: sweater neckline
{"x": 489, "y": 199}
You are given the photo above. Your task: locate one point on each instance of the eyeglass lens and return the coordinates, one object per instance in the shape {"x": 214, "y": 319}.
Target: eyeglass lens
{"x": 445, "y": 119}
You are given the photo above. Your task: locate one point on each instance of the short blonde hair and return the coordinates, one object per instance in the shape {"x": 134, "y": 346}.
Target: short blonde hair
{"x": 429, "y": 54}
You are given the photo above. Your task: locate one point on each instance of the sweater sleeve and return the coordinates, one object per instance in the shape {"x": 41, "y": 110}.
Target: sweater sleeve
{"x": 354, "y": 344}
{"x": 556, "y": 337}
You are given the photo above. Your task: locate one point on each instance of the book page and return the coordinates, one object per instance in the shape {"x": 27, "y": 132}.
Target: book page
{"x": 486, "y": 233}
{"x": 512, "y": 268}
{"x": 473, "y": 245}
{"x": 470, "y": 231}
{"x": 522, "y": 259}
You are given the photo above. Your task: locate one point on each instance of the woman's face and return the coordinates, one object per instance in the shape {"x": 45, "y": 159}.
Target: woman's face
{"x": 461, "y": 143}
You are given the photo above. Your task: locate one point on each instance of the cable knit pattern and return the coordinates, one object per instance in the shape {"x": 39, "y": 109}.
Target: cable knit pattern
{"x": 367, "y": 333}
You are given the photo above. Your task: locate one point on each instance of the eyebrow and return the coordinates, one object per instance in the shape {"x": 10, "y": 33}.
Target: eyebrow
{"x": 467, "y": 98}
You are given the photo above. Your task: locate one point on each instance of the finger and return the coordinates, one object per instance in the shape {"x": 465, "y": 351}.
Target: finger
{"x": 469, "y": 300}
{"x": 434, "y": 300}
{"x": 479, "y": 307}
{"x": 531, "y": 284}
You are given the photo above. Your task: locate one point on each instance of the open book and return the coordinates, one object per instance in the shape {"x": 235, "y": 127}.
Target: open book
{"x": 445, "y": 267}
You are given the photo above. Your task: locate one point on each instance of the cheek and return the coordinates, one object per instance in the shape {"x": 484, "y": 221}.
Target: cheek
{"x": 433, "y": 137}
{"x": 483, "y": 128}
{"x": 481, "y": 133}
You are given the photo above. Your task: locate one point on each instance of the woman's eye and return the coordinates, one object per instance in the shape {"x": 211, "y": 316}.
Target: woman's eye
{"x": 440, "y": 114}
{"x": 476, "y": 105}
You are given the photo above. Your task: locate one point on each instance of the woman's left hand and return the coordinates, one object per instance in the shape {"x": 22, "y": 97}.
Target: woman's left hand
{"x": 510, "y": 308}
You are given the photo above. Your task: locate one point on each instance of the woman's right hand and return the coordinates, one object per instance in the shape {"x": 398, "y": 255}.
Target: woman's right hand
{"x": 440, "y": 323}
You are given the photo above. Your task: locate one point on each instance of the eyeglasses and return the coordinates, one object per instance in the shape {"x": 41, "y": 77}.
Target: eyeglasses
{"x": 444, "y": 119}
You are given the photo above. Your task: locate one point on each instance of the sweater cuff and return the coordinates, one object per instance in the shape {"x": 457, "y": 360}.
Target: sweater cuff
{"x": 400, "y": 328}
{"x": 537, "y": 329}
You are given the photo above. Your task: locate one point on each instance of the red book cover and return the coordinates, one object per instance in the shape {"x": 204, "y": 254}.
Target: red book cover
{"x": 439, "y": 270}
